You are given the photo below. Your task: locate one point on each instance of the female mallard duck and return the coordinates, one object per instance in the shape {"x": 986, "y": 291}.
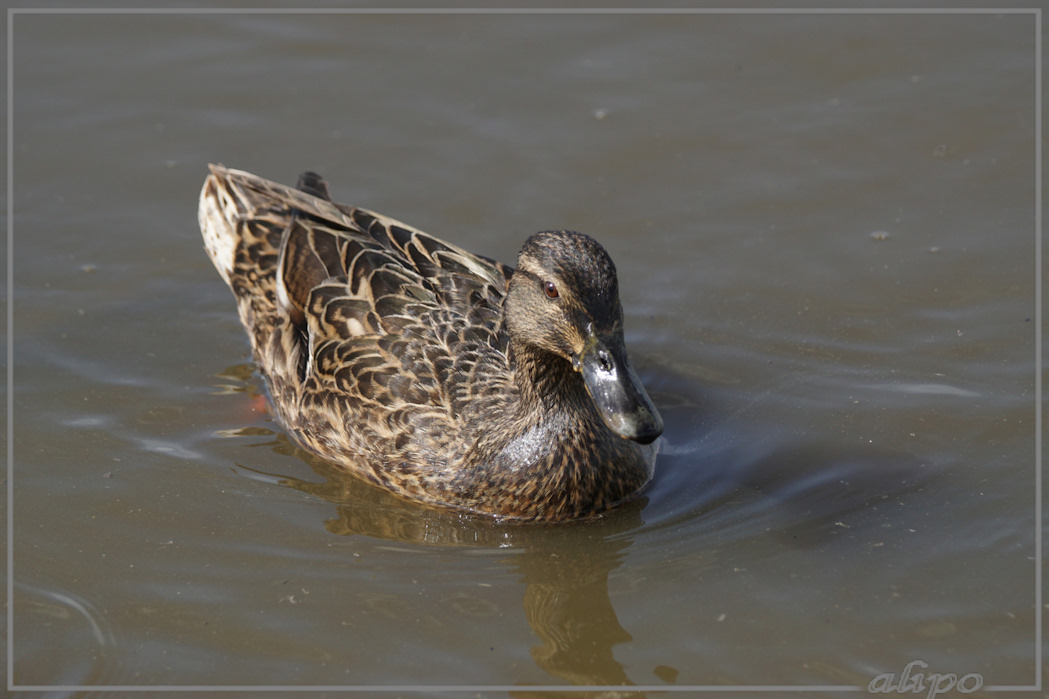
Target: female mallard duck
{"x": 440, "y": 375}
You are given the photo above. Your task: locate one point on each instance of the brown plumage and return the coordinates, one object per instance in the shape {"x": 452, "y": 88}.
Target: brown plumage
{"x": 438, "y": 374}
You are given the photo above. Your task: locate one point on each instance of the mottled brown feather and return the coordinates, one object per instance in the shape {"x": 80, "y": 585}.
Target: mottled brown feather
{"x": 386, "y": 351}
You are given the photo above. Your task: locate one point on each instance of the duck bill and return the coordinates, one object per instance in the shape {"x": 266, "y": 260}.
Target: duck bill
{"x": 620, "y": 398}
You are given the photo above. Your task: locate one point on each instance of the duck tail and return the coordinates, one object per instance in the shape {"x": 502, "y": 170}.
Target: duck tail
{"x": 243, "y": 220}
{"x": 235, "y": 225}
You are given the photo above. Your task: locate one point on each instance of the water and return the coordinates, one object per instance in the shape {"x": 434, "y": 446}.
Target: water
{"x": 824, "y": 228}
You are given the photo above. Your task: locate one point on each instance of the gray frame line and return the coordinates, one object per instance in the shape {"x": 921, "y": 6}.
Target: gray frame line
{"x": 458, "y": 688}
{"x": 392, "y": 688}
{"x": 524, "y": 11}
{"x": 10, "y": 374}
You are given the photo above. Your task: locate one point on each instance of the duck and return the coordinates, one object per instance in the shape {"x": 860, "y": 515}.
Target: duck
{"x": 443, "y": 376}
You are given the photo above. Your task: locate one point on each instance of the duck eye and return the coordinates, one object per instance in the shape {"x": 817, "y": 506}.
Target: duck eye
{"x": 551, "y": 290}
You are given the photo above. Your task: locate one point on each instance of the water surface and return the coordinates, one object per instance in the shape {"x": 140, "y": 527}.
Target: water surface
{"x": 824, "y": 229}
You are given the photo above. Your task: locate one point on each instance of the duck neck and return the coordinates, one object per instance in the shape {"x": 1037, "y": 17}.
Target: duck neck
{"x": 548, "y": 381}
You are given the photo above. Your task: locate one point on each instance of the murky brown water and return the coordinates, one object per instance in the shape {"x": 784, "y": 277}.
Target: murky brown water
{"x": 824, "y": 227}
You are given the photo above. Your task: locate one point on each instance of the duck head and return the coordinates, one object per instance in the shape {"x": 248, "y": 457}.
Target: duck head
{"x": 563, "y": 298}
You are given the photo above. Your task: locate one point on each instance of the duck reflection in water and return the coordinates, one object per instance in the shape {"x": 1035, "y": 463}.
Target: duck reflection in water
{"x": 564, "y": 567}
{"x": 567, "y": 605}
